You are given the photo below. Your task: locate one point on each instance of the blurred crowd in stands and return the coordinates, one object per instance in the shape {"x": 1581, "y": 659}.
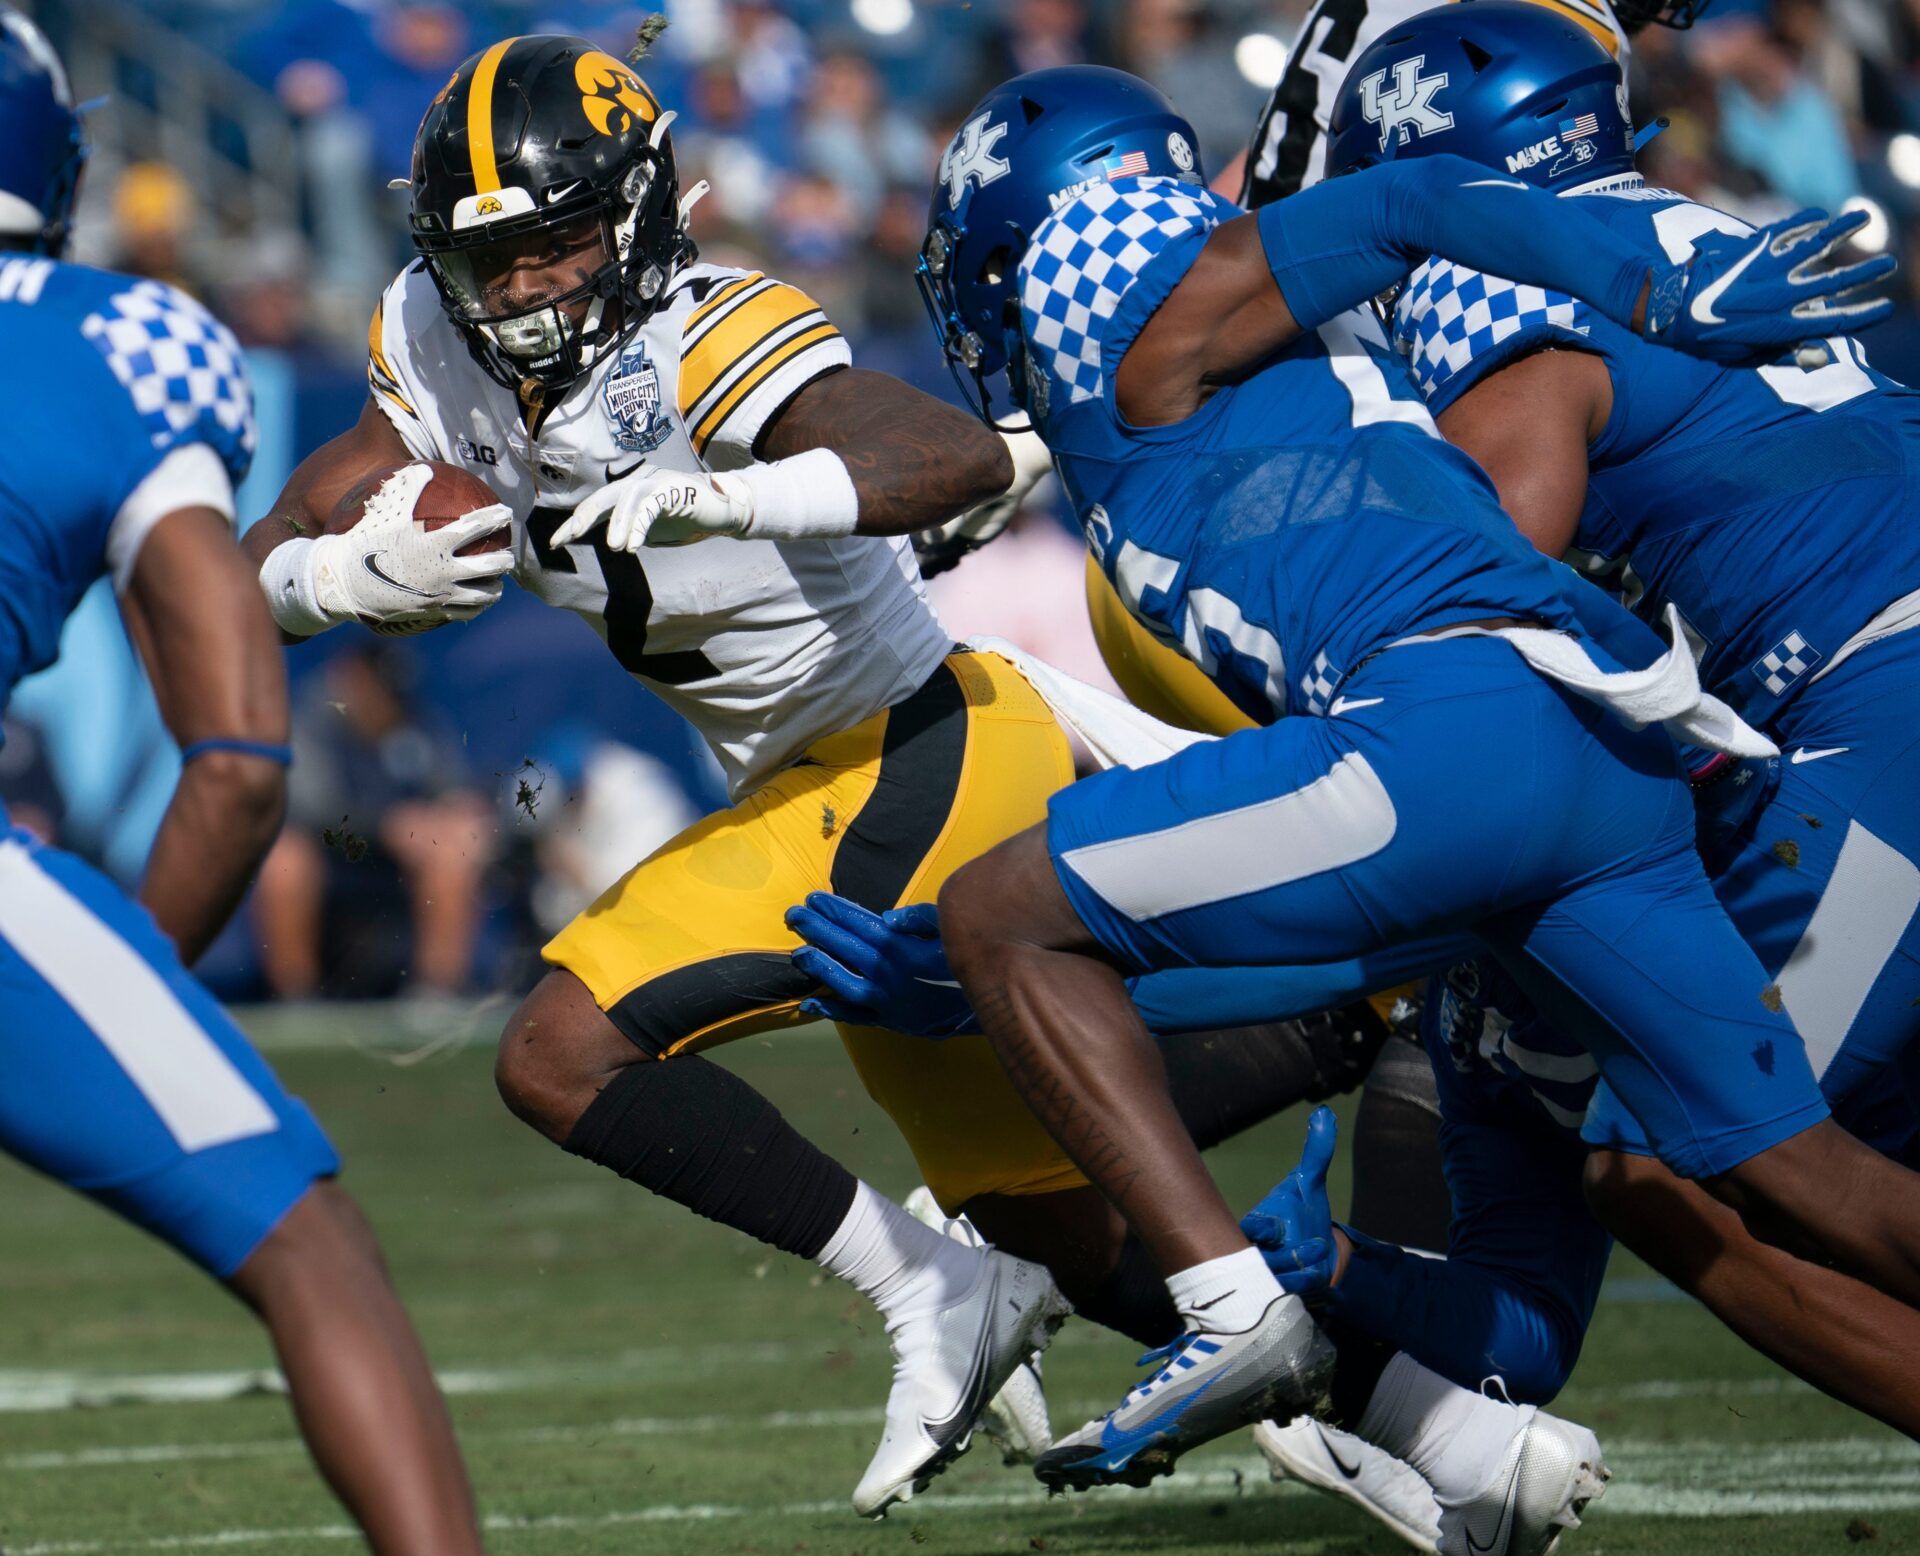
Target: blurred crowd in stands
{"x": 432, "y": 842}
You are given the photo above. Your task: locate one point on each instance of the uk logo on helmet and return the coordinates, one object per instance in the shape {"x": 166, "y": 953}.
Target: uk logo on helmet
{"x": 971, "y": 157}
{"x": 633, "y": 402}
{"x": 1409, "y": 110}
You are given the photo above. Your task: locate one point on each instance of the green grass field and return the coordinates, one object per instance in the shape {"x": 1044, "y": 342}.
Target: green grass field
{"x": 628, "y": 1379}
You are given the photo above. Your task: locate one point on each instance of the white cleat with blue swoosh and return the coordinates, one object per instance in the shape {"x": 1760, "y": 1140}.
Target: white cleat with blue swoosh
{"x": 1206, "y": 1385}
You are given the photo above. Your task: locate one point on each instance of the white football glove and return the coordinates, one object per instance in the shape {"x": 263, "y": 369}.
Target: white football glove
{"x": 389, "y": 572}
{"x": 942, "y": 546}
{"x": 663, "y": 508}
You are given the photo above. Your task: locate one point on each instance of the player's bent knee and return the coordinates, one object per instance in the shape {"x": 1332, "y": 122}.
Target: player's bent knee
{"x": 555, "y": 1053}
{"x": 1009, "y": 895}
{"x": 967, "y": 923}
{"x": 1540, "y": 1369}
{"x": 1610, "y": 1179}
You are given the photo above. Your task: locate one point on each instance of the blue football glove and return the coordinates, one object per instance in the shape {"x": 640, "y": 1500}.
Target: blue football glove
{"x": 1745, "y": 298}
{"x": 879, "y": 970}
{"x": 1293, "y": 1226}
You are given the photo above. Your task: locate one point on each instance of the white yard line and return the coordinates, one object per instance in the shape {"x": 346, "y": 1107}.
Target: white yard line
{"x": 22, "y": 1390}
{"x": 627, "y": 1426}
{"x": 1663, "y": 1493}
{"x": 66, "y": 1389}
{"x": 1205, "y": 1486}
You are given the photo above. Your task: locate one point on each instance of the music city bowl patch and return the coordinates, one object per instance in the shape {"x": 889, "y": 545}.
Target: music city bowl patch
{"x": 633, "y": 402}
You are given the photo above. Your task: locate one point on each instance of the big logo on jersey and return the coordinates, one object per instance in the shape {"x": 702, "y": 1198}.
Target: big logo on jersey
{"x": 1409, "y": 110}
{"x": 633, "y": 402}
{"x": 970, "y": 156}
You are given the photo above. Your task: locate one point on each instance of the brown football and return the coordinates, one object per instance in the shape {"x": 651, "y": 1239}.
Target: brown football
{"x": 451, "y": 494}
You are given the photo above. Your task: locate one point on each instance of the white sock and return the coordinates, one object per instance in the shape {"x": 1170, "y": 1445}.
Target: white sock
{"x": 1454, "y": 1436}
{"x": 902, "y": 1267}
{"x": 1227, "y": 1295}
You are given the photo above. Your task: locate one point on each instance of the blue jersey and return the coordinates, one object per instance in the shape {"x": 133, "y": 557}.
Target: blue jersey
{"x": 1772, "y": 505}
{"x": 108, "y": 377}
{"x": 1302, "y": 518}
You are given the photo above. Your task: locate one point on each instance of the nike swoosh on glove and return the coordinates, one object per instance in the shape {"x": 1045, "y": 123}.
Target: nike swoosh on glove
{"x": 398, "y": 576}
{"x": 1748, "y": 297}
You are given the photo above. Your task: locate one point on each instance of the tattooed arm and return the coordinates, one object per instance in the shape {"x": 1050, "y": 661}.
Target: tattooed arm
{"x": 853, "y": 453}
{"x": 915, "y": 461}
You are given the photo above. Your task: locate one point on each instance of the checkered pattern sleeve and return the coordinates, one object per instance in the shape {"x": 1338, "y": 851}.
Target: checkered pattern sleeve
{"x": 1086, "y": 256}
{"x": 183, "y": 371}
{"x": 1455, "y": 326}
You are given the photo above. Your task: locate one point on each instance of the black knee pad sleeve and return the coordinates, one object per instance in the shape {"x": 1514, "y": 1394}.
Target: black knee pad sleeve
{"x": 699, "y": 1135}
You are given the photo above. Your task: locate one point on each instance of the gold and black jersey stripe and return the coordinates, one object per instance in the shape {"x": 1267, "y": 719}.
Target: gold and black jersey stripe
{"x": 737, "y": 340}
{"x": 380, "y": 375}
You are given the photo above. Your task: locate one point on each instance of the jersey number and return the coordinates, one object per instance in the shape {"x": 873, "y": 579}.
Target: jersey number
{"x": 1233, "y": 652}
{"x": 1298, "y": 98}
{"x": 629, "y": 603}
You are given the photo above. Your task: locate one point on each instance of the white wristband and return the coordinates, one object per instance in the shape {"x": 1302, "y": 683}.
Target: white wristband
{"x": 809, "y": 496}
{"x": 287, "y": 579}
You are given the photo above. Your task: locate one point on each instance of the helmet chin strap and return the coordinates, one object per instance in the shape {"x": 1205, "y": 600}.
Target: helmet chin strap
{"x": 588, "y": 330}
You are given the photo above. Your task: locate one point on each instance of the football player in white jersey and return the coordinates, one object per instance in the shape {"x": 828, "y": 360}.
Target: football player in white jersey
{"x": 557, "y": 334}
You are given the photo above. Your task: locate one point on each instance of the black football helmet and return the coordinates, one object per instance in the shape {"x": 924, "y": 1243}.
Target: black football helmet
{"x": 547, "y": 134}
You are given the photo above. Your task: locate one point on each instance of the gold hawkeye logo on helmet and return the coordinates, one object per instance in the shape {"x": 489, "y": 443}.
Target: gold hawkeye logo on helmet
{"x": 489, "y": 206}
{"x": 612, "y": 97}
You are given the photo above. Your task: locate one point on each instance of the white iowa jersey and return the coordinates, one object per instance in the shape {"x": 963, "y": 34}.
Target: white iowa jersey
{"x": 764, "y": 647}
{"x": 1289, "y": 144}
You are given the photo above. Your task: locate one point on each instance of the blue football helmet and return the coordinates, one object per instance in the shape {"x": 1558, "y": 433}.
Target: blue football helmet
{"x": 1023, "y": 150}
{"x": 41, "y": 148}
{"x": 1505, "y": 83}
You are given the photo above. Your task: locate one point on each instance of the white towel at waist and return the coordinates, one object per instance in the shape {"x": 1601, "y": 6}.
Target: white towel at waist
{"x": 1116, "y": 733}
{"x": 1667, "y": 692}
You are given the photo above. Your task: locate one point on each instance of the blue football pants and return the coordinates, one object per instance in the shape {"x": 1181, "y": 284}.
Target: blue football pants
{"x": 1459, "y": 791}
{"x": 126, "y": 1080}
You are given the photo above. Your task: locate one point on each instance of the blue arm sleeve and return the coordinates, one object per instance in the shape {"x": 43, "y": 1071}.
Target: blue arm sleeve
{"x": 1202, "y": 999}
{"x": 1517, "y": 1289}
{"x": 1334, "y": 246}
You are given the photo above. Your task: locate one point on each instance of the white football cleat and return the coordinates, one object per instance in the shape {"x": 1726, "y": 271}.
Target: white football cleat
{"x": 1016, "y": 1417}
{"x": 1551, "y": 1470}
{"x": 1208, "y": 1384}
{"x": 946, "y": 1366}
{"x": 1355, "y": 1471}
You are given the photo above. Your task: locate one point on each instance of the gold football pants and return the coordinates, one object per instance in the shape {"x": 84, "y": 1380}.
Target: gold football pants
{"x": 690, "y": 948}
